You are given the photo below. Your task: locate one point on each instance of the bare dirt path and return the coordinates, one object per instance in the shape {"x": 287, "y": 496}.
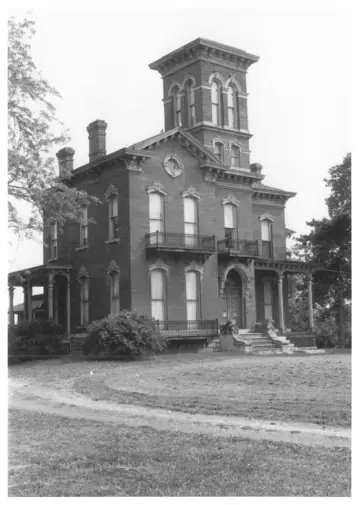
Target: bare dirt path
{"x": 60, "y": 401}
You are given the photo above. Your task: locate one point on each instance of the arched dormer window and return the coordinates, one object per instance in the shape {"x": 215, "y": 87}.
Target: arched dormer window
{"x": 190, "y": 103}
{"x": 232, "y": 107}
{"x": 215, "y": 100}
{"x": 177, "y": 113}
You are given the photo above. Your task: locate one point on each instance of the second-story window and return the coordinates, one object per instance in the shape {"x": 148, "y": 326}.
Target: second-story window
{"x": 156, "y": 215}
{"x": 235, "y": 156}
{"x": 215, "y": 99}
{"x": 177, "y": 106}
{"x": 230, "y": 221}
{"x": 84, "y": 228}
{"x": 190, "y": 221}
{"x": 219, "y": 151}
{"x": 266, "y": 233}
{"x": 53, "y": 244}
{"x": 114, "y": 231}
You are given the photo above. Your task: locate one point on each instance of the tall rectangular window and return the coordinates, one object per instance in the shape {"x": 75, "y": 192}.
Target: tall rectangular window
{"x": 190, "y": 222}
{"x": 84, "y": 301}
{"x": 266, "y": 232}
{"x": 192, "y": 297}
{"x": 219, "y": 151}
{"x": 215, "y": 102}
{"x": 114, "y": 231}
{"x": 234, "y": 156}
{"x": 230, "y": 220}
{"x": 231, "y": 107}
{"x": 192, "y": 107}
{"x": 158, "y": 294}
{"x": 156, "y": 215}
{"x": 84, "y": 228}
{"x": 115, "y": 293}
{"x": 177, "y": 107}
{"x": 53, "y": 245}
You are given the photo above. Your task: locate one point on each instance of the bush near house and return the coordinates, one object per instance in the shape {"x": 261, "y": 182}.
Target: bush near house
{"x": 125, "y": 334}
{"x": 35, "y": 338}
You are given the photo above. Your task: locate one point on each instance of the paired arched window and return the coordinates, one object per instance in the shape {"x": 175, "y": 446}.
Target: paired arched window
{"x": 158, "y": 294}
{"x": 216, "y": 102}
{"x": 176, "y": 97}
{"x": 190, "y": 103}
{"x": 53, "y": 241}
{"x": 232, "y": 107}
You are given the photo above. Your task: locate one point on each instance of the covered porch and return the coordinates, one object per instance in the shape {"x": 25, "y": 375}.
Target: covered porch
{"x": 55, "y": 281}
{"x": 253, "y": 290}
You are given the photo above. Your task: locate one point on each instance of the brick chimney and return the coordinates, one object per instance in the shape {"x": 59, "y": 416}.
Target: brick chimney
{"x": 97, "y": 139}
{"x": 66, "y": 160}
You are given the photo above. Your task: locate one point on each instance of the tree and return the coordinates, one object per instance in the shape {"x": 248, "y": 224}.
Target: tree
{"x": 33, "y": 134}
{"x": 328, "y": 245}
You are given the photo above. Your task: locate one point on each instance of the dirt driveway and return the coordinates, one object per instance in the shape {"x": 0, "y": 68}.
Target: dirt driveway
{"x": 59, "y": 400}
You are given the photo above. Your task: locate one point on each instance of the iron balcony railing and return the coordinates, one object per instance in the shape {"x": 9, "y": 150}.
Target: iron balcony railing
{"x": 244, "y": 247}
{"x": 200, "y": 325}
{"x": 164, "y": 240}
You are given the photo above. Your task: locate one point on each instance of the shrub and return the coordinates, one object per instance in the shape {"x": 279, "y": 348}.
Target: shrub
{"x": 127, "y": 333}
{"x": 39, "y": 337}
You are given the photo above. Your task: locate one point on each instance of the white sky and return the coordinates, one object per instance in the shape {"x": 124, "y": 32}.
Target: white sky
{"x": 97, "y": 56}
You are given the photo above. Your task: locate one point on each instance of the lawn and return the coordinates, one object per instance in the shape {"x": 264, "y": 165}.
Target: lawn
{"x": 56, "y": 456}
{"x": 315, "y": 389}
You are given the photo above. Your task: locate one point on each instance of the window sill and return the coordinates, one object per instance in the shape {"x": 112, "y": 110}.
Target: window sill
{"x": 112, "y": 241}
{"x": 51, "y": 260}
{"x": 82, "y": 248}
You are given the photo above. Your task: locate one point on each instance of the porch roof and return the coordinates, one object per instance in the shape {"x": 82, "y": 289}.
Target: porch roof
{"x": 284, "y": 265}
{"x": 37, "y": 274}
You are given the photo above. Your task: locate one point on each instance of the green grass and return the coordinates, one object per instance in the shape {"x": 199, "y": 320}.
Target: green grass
{"x": 314, "y": 389}
{"x": 55, "y": 456}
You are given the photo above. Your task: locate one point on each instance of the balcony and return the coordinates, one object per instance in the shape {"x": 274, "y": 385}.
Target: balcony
{"x": 233, "y": 247}
{"x": 179, "y": 242}
{"x": 189, "y": 330}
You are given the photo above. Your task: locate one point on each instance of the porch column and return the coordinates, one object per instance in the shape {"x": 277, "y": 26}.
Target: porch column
{"x": 29, "y": 301}
{"x": 11, "y": 300}
{"x": 68, "y": 306}
{"x": 280, "y": 301}
{"x": 24, "y": 287}
{"x": 310, "y": 302}
{"x": 51, "y": 297}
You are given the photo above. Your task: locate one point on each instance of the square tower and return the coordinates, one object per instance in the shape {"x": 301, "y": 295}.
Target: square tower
{"x": 205, "y": 91}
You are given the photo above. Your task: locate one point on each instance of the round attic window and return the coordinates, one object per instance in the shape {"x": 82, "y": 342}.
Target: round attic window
{"x": 173, "y": 165}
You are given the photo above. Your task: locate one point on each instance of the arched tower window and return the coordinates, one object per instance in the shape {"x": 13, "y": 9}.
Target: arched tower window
{"x": 177, "y": 106}
{"x": 232, "y": 107}
{"x": 191, "y": 107}
{"x": 235, "y": 156}
{"x": 215, "y": 100}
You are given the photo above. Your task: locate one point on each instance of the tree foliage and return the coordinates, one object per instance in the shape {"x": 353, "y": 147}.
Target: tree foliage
{"x": 328, "y": 246}
{"x": 33, "y": 134}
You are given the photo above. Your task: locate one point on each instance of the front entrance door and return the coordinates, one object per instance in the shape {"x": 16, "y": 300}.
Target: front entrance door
{"x": 233, "y": 298}
{"x": 268, "y": 300}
